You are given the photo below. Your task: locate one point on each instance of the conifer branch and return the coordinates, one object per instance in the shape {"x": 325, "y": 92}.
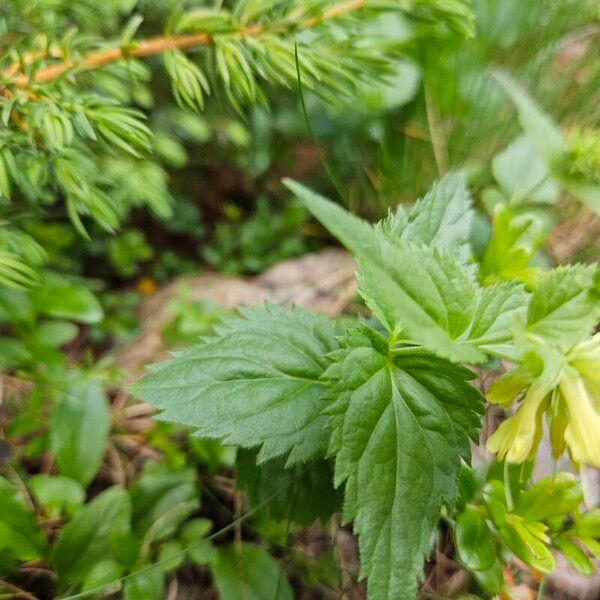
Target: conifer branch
{"x": 161, "y": 44}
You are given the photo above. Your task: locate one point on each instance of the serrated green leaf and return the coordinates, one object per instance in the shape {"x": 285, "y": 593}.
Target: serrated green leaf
{"x": 249, "y": 572}
{"x": 415, "y": 291}
{"x": 497, "y": 307}
{"x": 442, "y": 219}
{"x": 256, "y": 383}
{"x": 565, "y": 306}
{"x": 400, "y": 425}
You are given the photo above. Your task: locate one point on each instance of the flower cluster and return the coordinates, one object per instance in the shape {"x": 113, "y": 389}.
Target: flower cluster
{"x": 566, "y": 387}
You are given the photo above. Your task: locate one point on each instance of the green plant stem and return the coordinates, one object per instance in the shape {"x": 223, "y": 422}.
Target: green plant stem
{"x": 541, "y": 588}
{"x": 507, "y": 490}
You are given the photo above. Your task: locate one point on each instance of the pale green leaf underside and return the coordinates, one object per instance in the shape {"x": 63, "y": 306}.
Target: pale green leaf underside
{"x": 538, "y": 126}
{"x": 256, "y": 383}
{"x": 427, "y": 296}
{"x": 442, "y": 219}
{"x": 522, "y": 175}
{"x": 400, "y": 429}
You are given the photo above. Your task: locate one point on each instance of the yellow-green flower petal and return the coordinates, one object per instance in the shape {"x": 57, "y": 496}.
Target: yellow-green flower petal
{"x": 517, "y": 439}
{"x": 582, "y": 434}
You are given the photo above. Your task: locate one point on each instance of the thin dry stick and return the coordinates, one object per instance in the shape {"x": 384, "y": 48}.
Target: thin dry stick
{"x": 16, "y": 591}
{"x": 158, "y": 45}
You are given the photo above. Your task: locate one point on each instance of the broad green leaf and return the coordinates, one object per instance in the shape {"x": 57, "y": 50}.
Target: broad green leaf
{"x": 249, "y": 572}
{"x": 302, "y": 493}
{"x": 13, "y": 353}
{"x": 497, "y": 307}
{"x": 526, "y": 539}
{"x": 57, "y": 494}
{"x": 565, "y": 306}
{"x": 539, "y": 127}
{"x": 491, "y": 580}
{"x": 442, "y": 219}
{"x": 91, "y": 535}
{"x": 416, "y": 291}
{"x": 67, "y": 302}
{"x": 55, "y": 333}
{"x": 575, "y": 555}
{"x": 522, "y": 175}
{"x": 20, "y": 535}
{"x": 474, "y": 542}
{"x": 256, "y": 383}
{"x": 401, "y": 425}
{"x": 162, "y": 499}
{"x": 79, "y": 427}
{"x": 104, "y": 573}
{"x": 147, "y": 585}
{"x": 171, "y": 556}
{"x": 431, "y": 305}
{"x": 588, "y": 524}
{"x": 198, "y": 549}
{"x": 555, "y": 495}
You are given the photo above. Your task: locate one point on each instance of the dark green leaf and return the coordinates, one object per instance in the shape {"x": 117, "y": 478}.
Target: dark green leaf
{"x": 145, "y": 586}
{"x": 400, "y": 428}
{"x": 91, "y": 535}
{"x": 20, "y": 535}
{"x": 474, "y": 542}
{"x": 249, "y": 572}
{"x": 257, "y": 382}
{"x": 301, "y": 493}
{"x": 57, "y": 494}
{"x": 79, "y": 427}
{"x": 162, "y": 499}
{"x": 67, "y": 302}
{"x": 431, "y": 305}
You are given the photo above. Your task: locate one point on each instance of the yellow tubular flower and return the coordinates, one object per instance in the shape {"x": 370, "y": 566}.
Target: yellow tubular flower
{"x": 567, "y": 388}
{"x": 582, "y": 434}
{"x": 517, "y": 439}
